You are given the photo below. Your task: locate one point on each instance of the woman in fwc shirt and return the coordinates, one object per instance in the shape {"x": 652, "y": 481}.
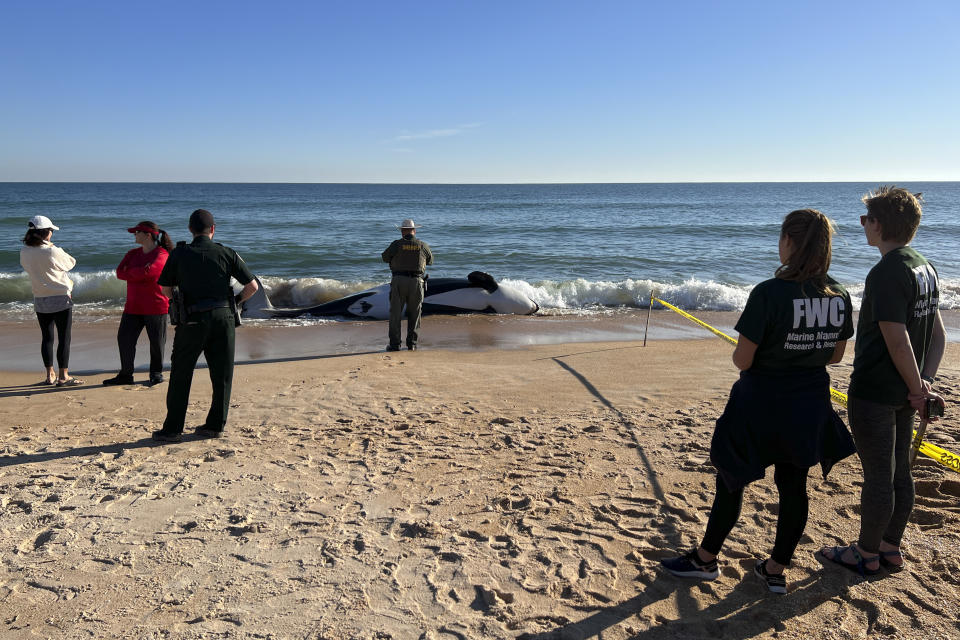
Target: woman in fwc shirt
{"x": 779, "y": 412}
{"x": 900, "y": 341}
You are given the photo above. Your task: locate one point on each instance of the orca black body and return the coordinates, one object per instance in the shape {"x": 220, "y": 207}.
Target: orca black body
{"x": 477, "y": 293}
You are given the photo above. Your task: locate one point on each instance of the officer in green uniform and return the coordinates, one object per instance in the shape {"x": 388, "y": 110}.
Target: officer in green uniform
{"x": 408, "y": 258}
{"x": 202, "y": 270}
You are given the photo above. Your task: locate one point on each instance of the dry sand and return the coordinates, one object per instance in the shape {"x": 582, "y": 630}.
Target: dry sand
{"x": 495, "y": 493}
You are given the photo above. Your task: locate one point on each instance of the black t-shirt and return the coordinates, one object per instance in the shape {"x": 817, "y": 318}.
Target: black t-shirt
{"x": 202, "y": 270}
{"x": 903, "y": 288}
{"x": 794, "y": 325}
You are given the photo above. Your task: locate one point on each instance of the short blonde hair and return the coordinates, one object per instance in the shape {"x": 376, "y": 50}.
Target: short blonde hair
{"x": 897, "y": 210}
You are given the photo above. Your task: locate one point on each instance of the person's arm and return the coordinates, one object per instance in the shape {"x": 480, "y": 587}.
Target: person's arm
{"x": 743, "y": 354}
{"x": 248, "y": 290}
{"x": 149, "y": 272}
{"x": 63, "y": 260}
{"x": 938, "y": 342}
{"x": 168, "y": 278}
{"x": 389, "y": 252}
{"x": 426, "y": 248}
{"x": 838, "y": 352}
{"x": 123, "y": 267}
{"x": 898, "y": 343}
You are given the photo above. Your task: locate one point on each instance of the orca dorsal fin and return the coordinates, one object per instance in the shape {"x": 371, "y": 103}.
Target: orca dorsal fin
{"x": 483, "y": 280}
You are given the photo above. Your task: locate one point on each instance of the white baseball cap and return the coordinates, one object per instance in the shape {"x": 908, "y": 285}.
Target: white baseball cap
{"x": 42, "y": 222}
{"x": 408, "y": 224}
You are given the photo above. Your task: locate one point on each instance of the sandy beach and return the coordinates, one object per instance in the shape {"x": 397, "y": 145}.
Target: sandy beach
{"x": 497, "y": 491}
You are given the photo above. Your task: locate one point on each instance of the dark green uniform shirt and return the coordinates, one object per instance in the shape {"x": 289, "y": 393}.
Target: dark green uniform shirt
{"x": 794, "y": 325}
{"x": 903, "y": 287}
{"x": 408, "y": 255}
{"x": 202, "y": 270}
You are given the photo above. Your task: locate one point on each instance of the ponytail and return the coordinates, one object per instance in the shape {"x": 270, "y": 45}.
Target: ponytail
{"x": 163, "y": 240}
{"x": 811, "y": 235}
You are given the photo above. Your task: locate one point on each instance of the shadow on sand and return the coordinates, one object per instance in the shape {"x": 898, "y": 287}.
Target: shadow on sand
{"x": 77, "y": 452}
{"x": 748, "y": 611}
{"x": 743, "y": 613}
{"x": 39, "y": 388}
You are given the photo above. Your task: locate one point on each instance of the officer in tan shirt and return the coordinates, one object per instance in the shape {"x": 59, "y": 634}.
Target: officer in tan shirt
{"x": 408, "y": 258}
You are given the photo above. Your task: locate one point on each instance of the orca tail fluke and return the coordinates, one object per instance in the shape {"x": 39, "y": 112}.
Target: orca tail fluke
{"x": 258, "y": 305}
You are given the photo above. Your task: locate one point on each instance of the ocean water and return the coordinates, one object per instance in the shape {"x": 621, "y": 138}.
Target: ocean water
{"x": 585, "y": 248}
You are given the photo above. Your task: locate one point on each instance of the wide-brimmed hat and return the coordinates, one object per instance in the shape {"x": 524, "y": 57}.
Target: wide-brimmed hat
{"x": 408, "y": 224}
{"x": 42, "y": 222}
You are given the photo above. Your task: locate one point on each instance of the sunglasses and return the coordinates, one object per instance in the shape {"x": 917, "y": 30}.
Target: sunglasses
{"x": 864, "y": 218}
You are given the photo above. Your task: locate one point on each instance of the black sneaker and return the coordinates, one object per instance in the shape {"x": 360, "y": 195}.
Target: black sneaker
{"x": 393, "y": 347}
{"x": 118, "y": 379}
{"x": 155, "y": 378}
{"x": 167, "y": 436}
{"x": 775, "y": 582}
{"x": 411, "y": 347}
{"x": 204, "y": 432}
{"x": 691, "y": 566}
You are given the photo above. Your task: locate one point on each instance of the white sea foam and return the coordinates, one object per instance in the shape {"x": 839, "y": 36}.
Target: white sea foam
{"x": 104, "y": 291}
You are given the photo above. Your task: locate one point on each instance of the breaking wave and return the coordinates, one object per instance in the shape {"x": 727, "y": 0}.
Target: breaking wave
{"x": 103, "y": 291}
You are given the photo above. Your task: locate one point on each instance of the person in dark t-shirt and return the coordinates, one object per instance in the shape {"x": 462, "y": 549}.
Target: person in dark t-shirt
{"x": 779, "y": 412}
{"x": 900, "y": 341}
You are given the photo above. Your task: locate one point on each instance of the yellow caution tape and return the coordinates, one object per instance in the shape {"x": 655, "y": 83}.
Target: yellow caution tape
{"x": 944, "y": 457}
{"x": 697, "y": 321}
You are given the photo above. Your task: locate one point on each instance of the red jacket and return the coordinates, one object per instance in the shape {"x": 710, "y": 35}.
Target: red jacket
{"x": 141, "y": 271}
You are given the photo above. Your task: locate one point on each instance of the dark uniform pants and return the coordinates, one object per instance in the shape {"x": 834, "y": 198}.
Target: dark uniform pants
{"x": 213, "y": 335}
{"x": 405, "y": 290}
{"x": 131, "y": 325}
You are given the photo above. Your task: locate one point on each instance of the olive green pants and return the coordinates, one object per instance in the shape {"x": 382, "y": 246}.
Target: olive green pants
{"x": 211, "y": 333}
{"x": 405, "y": 290}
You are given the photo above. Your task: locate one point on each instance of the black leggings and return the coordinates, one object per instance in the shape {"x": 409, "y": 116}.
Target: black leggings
{"x": 131, "y": 325}
{"x": 792, "y": 484}
{"x": 63, "y": 321}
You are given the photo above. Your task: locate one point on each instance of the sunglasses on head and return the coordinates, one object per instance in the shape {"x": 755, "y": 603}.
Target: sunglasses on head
{"x": 864, "y": 218}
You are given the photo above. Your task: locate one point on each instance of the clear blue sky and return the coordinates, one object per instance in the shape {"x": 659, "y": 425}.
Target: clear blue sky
{"x": 479, "y": 91}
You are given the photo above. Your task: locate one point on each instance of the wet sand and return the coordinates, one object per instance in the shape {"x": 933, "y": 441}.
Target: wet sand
{"x": 94, "y": 347}
{"x": 492, "y": 490}
{"x": 94, "y": 344}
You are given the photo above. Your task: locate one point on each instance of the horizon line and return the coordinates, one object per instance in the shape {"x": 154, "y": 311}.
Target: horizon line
{"x": 532, "y": 183}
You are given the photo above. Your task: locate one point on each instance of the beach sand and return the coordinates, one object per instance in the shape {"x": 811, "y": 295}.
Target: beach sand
{"x": 487, "y": 492}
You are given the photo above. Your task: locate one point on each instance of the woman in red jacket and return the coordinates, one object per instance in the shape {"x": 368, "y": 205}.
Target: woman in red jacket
{"x": 146, "y": 305}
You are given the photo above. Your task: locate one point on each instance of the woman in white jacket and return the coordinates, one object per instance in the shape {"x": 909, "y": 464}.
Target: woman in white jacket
{"x": 47, "y": 265}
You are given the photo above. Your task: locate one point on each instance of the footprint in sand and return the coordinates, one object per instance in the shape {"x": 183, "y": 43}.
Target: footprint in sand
{"x": 927, "y": 519}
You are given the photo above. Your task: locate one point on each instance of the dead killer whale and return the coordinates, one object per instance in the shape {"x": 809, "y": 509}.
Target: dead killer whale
{"x": 477, "y": 293}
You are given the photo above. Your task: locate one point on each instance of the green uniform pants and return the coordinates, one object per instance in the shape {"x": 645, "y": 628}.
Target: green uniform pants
{"x": 405, "y": 290}
{"x": 210, "y": 333}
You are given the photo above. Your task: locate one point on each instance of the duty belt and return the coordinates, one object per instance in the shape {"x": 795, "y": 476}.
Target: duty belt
{"x": 207, "y": 304}
{"x": 409, "y": 274}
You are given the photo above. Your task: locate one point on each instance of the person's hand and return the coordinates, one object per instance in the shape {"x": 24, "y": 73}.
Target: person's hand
{"x": 919, "y": 402}
{"x": 939, "y": 400}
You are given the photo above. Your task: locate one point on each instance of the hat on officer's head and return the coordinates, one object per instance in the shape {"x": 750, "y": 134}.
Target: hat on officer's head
{"x": 200, "y": 220}
{"x": 42, "y": 222}
{"x": 408, "y": 224}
